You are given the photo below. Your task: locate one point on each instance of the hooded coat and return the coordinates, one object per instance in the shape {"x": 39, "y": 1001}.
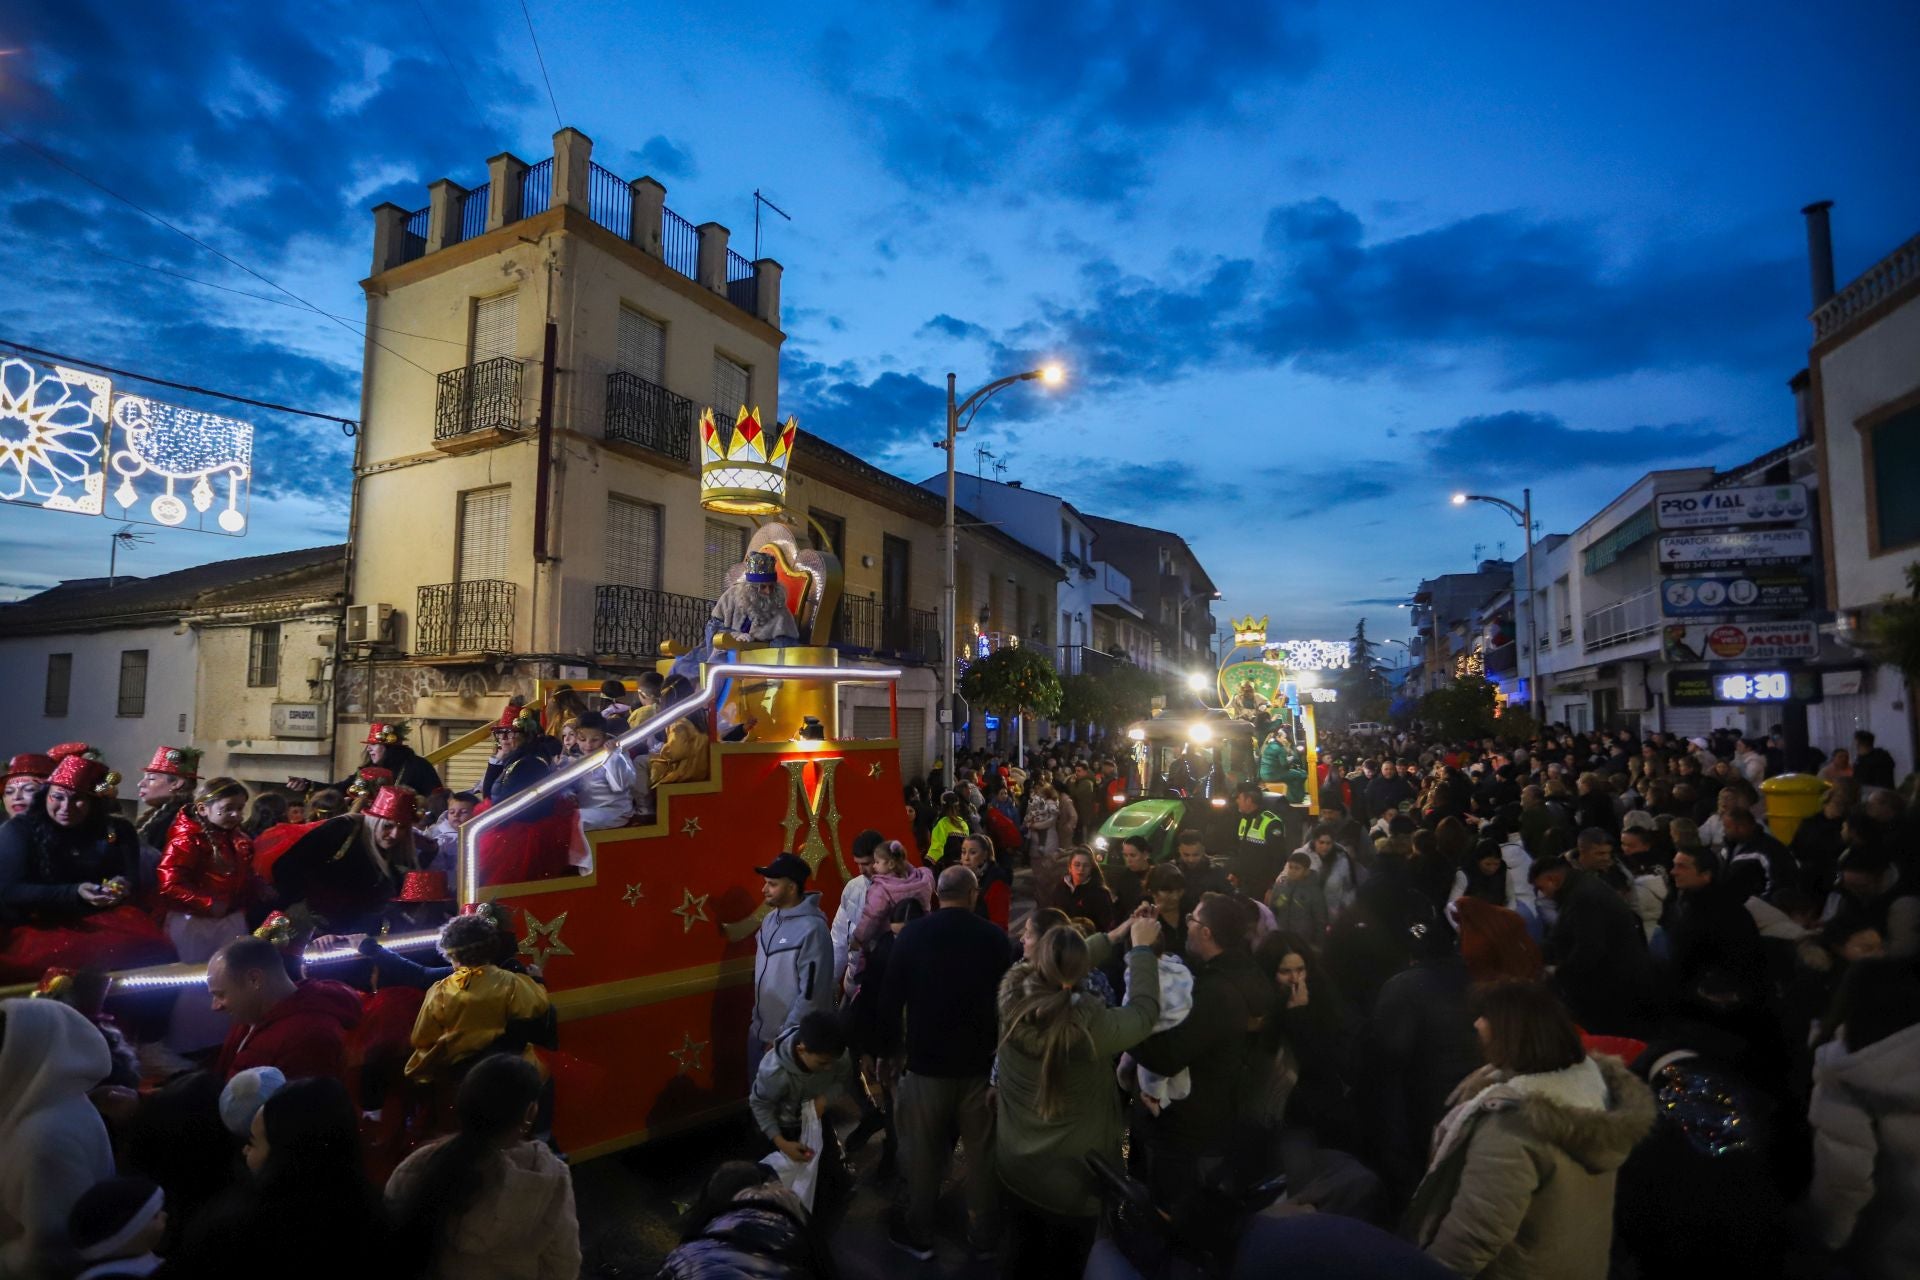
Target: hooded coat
{"x": 1043, "y": 1159}
{"x": 55, "y": 1143}
{"x": 522, "y": 1227}
{"x": 1521, "y": 1181}
{"x": 762, "y": 1235}
{"x": 1866, "y": 1153}
{"x": 303, "y": 1035}
{"x": 792, "y": 970}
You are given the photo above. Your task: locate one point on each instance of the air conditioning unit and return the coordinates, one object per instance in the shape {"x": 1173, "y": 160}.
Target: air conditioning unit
{"x": 369, "y": 623}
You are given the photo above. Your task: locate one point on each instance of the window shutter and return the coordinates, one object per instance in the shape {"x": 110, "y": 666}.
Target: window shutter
{"x": 643, "y": 347}
{"x": 731, "y": 383}
{"x": 633, "y": 543}
{"x": 483, "y": 534}
{"x": 494, "y": 323}
{"x": 726, "y": 547}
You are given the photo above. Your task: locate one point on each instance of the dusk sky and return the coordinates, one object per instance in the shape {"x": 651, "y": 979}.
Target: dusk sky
{"x": 1311, "y": 267}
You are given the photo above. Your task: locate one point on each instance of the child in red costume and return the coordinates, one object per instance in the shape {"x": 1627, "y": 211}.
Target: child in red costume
{"x": 206, "y": 883}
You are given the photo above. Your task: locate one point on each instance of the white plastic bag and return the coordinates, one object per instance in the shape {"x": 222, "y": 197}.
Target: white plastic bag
{"x": 801, "y": 1178}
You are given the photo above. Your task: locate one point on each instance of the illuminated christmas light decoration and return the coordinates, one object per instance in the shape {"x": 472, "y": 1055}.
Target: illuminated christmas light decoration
{"x": 159, "y": 447}
{"x": 53, "y": 429}
{"x": 1310, "y": 655}
{"x": 743, "y": 470}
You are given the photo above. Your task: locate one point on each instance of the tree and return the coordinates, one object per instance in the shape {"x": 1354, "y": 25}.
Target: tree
{"x": 1893, "y": 634}
{"x": 1363, "y": 687}
{"x": 1012, "y": 682}
{"x": 1463, "y": 709}
{"x": 1110, "y": 699}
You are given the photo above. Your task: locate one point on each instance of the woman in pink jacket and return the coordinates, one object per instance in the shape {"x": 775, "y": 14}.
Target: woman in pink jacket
{"x": 894, "y": 881}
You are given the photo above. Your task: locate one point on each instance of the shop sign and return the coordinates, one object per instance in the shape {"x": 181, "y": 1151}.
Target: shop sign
{"x": 1755, "y": 547}
{"x": 1740, "y": 642}
{"x": 1699, "y": 687}
{"x": 1784, "y": 592}
{"x": 1721, "y": 508}
{"x": 297, "y": 720}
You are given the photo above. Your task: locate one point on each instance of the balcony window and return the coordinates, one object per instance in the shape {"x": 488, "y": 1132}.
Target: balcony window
{"x": 1891, "y": 438}
{"x": 732, "y": 387}
{"x": 647, "y": 414}
{"x": 726, "y": 547}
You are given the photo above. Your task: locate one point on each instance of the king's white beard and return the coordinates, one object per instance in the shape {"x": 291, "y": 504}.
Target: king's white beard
{"x": 765, "y": 614}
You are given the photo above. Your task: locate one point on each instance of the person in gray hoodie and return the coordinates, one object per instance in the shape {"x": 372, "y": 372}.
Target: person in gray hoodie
{"x": 54, "y": 1143}
{"x": 793, "y": 963}
{"x": 807, "y": 1063}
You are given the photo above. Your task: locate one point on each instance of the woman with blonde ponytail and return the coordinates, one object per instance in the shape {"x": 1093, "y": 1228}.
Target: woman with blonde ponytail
{"x": 1057, "y": 1102}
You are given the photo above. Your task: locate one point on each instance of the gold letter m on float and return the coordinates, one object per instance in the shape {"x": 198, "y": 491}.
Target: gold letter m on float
{"x": 820, "y": 803}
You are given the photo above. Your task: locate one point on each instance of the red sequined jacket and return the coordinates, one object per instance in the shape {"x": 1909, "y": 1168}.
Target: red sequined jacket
{"x": 205, "y": 871}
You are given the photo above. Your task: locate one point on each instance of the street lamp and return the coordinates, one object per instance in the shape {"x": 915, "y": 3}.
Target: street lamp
{"x": 1523, "y": 516}
{"x": 1051, "y": 375}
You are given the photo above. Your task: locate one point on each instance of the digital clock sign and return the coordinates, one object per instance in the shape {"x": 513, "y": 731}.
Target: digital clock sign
{"x": 1701, "y": 687}
{"x": 1752, "y": 686}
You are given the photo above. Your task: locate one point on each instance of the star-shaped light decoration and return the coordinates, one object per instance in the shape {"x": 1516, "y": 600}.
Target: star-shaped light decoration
{"x": 543, "y": 940}
{"x": 691, "y": 827}
{"x": 875, "y": 769}
{"x": 691, "y": 908}
{"x": 689, "y": 1054}
{"x": 633, "y": 895}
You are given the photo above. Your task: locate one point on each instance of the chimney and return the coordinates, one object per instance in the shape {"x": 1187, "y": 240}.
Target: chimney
{"x": 1819, "y": 251}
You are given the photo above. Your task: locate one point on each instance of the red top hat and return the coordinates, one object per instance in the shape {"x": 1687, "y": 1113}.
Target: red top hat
{"x": 370, "y": 777}
{"x": 181, "y": 762}
{"x": 79, "y": 774}
{"x": 393, "y": 803}
{"x": 29, "y": 765}
{"x": 424, "y": 886}
{"x": 66, "y": 749}
{"x": 388, "y": 732}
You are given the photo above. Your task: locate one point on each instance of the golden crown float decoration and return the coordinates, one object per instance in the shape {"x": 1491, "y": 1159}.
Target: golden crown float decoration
{"x": 743, "y": 469}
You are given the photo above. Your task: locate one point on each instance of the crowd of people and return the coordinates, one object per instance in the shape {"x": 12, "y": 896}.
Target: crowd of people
{"x": 1569, "y": 1008}
{"x": 1561, "y": 1009}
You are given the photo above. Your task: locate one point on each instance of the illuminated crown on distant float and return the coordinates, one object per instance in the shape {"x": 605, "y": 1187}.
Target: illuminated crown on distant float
{"x": 1249, "y": 630}
{"x": 744, "y": 471}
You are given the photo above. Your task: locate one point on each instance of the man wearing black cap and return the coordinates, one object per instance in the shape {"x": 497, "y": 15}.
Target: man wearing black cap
{"x": 793, "y": 966}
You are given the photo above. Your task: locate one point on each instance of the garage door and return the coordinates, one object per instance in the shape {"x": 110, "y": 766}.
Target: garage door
{"x": 871, "y": 722}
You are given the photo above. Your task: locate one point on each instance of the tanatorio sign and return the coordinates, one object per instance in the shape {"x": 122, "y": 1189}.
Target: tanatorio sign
{"x": 1719, "y": 508}
{"x": 1740, "y": 642}
{"x": 1755, "y": 547}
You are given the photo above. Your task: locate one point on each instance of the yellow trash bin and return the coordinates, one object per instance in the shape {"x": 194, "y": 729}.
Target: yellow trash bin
{"x": 1792, "y": 798}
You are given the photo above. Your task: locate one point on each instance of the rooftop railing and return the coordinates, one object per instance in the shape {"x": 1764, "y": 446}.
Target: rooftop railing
{"x": 1880, "y": 282}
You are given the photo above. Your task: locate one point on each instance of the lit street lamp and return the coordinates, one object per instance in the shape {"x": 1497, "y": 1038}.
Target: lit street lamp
{"x": 1050, "y": 374}
{"x": 1522, "y": 516}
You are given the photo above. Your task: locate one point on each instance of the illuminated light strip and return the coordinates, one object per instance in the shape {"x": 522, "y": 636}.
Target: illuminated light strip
{"x": 555, "y": 783}
{"x": 141, "y": 980}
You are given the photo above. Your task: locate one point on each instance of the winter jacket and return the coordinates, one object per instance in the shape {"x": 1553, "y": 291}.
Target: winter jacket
{"x": 1521, "y": 1181}
{"x": 337, "y": 872}
{"x": 792, "y": 969}
{"x": 762, "y": 1235}
{"x": 304, "y": 1035}
{"x": 1599, "y": 954}
{"x": 884, "y": 893}
{"x": 853, "y": 899}
{"x": 1211, "y": 1044}
{"x": 944, "y": 977}
{"x": 1714, "y": 945}
{"x": 606, "y": 794}
{"x": 1421, "y": 1044}
{"x": 522, "y": 1227}
{"x": 782, "y": 1087}
{"x": 1865, "y": 1114}
{"x": 467, "y": 1011}
{"x": 155, "y": 822}
{"x": 1091, "y": 900}
{"x": 1043, "y": 817}
{"x": 1043, "y": 1159}
{"x": 943, "y": 831}
{"x": 1299, "y": 906}
{"x": 205, "y": 871}
{"x": 43, "y": 864}
{"x": 995, "y": 899}
{"x": 55, "y": 1143}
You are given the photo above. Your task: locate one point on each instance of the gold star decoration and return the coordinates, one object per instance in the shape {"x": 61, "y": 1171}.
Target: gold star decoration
{"x": 543, "y": 940}
{"x": 688, "y": 1055}
{"x": 875, "y": 769}
{"x": 633, "y": 895}
{"x": 691, "y": 908}
{"x": 691, "y": 827}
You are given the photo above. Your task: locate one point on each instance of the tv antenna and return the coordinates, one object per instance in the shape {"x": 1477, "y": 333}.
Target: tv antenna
{"x": 124, "y": 536}
{"x": 759, "y": 200}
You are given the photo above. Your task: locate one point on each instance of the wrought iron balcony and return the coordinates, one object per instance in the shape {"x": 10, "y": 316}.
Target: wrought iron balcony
{"x": 857, "y": 624}
{"x": 464, "y": 617}
{"x": 923, "y": 636}
{"x": 644, "y": 413}
{"x": 478, "y": 397}
{"x": 632, "y": 622}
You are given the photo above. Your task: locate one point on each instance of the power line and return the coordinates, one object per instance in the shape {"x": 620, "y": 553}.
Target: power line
{"x": 349, "y": 425}
{"x": 538, "y": 56}
{"x": 57, "y": 162}
{"x": 446, "y": 57}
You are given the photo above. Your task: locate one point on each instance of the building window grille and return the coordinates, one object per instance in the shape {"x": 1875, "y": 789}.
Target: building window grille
{"x": 263, "y": 656}
{"x": 133, "y": 683}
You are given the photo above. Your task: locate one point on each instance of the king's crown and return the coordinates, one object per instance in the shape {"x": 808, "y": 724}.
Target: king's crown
{"x": 1249, "y": 630}
{"x": 743, "y": 468}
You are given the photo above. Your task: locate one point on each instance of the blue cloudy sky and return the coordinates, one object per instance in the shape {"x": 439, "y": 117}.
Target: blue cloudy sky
{"x": 1311, "y": 266}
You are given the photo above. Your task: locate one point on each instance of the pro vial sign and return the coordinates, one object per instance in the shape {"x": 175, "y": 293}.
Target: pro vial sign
{"x": 1732, "y": 508}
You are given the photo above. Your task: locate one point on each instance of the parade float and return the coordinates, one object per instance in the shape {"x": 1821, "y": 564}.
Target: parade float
{"x": 1188, "y": 763}
{"x": 647, "y": 948}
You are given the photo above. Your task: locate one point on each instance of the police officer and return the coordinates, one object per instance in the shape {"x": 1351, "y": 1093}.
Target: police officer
{"x": 1260, "y": 840}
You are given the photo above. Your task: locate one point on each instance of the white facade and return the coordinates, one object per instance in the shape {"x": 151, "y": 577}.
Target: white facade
{"x": 93, "y": 710}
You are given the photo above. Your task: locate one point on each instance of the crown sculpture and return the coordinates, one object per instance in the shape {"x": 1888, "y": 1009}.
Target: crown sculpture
{"x": 1249, "y": 630}
{"x": 743, "y": 470}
